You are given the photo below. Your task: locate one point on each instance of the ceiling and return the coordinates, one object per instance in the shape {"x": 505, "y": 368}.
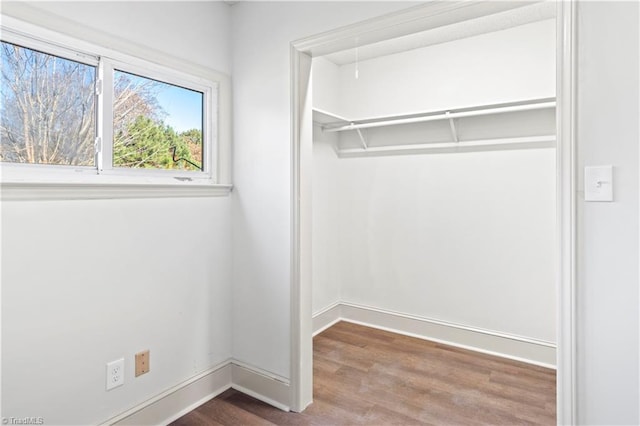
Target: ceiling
{"x": 469, "y": 28}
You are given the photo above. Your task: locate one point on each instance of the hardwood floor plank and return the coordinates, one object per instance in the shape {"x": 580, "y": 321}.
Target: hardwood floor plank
{"x": 322, "y": 366}
{"x": 264, "y": 411}
{"x": 340, "y": 397}
{"x": 374, "y": 377}
{"x": 225, "y": 412}
{"x": 325, "y": 413}
{"x": 379, "y": 415}
{"x": 196, "y": 418}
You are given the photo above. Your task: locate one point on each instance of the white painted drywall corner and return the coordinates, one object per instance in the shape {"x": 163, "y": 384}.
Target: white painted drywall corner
{"x": 326, "y": 86}
{"x": 261, "y": 37}
{"x": 326, "y": 214}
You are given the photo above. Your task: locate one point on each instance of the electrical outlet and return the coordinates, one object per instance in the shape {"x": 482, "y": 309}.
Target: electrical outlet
{"x": 142, "y": 362}
{"x": 115, "y": 374}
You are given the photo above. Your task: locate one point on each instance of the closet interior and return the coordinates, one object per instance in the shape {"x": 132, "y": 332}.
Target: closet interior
{"x": 434, "y": 173}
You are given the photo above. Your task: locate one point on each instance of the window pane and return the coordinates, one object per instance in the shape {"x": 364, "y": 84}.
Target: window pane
{"x": 156, "y": 125}
{"x": 47, "y": 108}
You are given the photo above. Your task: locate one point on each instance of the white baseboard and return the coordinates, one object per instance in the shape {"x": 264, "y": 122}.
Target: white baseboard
{"x": 486, "y": 341}
{"x": 179, "y": 400}
{"x": 190, "y": 394}
{"x": 261, "y": 385}
{"x": 326, "y": 318}
{"x": 274, "y": 390}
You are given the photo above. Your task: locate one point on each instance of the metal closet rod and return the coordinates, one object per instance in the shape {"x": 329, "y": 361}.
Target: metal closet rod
{"x": 445, "y": 116}
{"x": 416, "y": 148}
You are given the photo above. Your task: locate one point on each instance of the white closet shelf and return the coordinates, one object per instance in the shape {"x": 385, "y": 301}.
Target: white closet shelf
{"x": 419, "y": 117}
{"x": 333, "y": 123}
{"x": 323, "y": 117}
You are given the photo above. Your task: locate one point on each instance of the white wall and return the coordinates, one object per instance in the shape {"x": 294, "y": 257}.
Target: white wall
{"x": 326, "y": 282}
{"x": 607, "y": 287}
{"x": 513, "y": 64}
{"x": 467, "y": 238}
{"x": 88, "y": 282}
{"x": 261, "y": 36}
{"x": 326, "y": 84}
{"x": 327, "y": 219}
{"x": 608, "y": 295}
{"x": 193, "y": 30}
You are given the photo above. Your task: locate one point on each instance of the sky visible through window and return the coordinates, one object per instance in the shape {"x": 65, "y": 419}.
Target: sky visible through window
{"x": 183, "y": 107}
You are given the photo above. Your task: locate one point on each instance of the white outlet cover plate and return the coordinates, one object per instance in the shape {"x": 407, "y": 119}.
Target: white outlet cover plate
{"x": 598, "y": 183}
{"x": 115, "y": 373}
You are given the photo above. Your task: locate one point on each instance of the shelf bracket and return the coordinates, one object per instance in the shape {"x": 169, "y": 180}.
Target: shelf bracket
{"x": 362, "y": 140}
{"x": 452, "y": 124}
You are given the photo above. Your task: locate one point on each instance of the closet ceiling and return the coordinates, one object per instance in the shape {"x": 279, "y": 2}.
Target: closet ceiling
{"x": 469, "y": 28}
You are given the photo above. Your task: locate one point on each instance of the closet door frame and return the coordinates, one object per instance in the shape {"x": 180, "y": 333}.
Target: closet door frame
{"x": 421, "y": 18}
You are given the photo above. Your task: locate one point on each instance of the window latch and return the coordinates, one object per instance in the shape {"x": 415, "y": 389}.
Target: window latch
{"x": 98, "y": 87}
{"x": 98, "y": 150}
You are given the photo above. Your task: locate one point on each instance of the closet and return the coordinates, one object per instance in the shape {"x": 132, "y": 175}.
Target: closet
{"x": 434, "y": 204}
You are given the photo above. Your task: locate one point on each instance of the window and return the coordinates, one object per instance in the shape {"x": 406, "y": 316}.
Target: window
{"x": 93, "y": 115}
{"x": 156, "y": 125}
{"x": 47, "y": 109}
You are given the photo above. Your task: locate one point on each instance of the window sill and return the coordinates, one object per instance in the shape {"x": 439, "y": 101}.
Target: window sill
{"x": 32, "y": 191}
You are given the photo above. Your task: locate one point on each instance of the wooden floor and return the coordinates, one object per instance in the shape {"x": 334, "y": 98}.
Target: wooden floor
{"x": 373, "y": 377}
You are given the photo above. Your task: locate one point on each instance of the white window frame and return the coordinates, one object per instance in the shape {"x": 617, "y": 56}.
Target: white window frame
{"x": 106, "y": 70}
{"x": 40, "y": 181}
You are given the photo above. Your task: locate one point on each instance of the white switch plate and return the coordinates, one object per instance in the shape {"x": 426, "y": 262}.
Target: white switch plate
{"x": 598, "y": 183}
{"x": 115, "y": 374}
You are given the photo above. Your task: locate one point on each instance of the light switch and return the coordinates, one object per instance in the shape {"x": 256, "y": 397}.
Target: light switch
{"x": 598, "y": 183}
